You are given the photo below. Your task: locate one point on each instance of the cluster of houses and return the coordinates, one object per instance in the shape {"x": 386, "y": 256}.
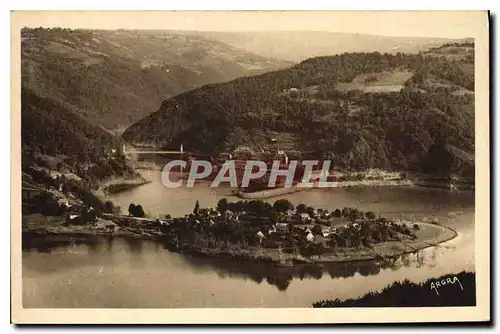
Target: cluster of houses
{"x": 292, "y": 230}
{"x": 369, "y": 175}
{"x": 313, "y": 226}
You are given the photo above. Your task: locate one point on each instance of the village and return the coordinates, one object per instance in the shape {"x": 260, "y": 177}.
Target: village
{"x": 255, "y": 230}
{"x": 302, "y": 230}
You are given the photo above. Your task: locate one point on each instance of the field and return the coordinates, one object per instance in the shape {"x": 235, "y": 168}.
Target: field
{"x": 387, "y": 81}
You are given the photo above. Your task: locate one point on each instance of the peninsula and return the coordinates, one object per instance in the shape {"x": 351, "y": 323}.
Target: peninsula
{"x": 254, "y": 230}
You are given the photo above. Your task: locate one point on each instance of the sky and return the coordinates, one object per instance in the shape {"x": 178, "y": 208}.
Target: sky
{"x": 449, "y": 24}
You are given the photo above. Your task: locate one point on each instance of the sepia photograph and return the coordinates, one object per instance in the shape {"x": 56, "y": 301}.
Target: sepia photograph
{"x": 190, "y": 166}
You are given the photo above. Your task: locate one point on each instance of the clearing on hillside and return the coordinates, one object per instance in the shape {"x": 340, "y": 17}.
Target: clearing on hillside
{"x": 386, "y": 81}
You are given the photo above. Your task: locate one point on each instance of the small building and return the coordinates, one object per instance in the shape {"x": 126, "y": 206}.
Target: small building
{"x": 64, "y": 202}
{"x": 294, "y": 92}
{"x": 164, "y": 223}
{"x": 260, "y": 235}
{"x": 310, "y": 237}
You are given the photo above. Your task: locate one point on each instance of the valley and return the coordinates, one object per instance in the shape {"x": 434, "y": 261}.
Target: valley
{"x": 396, "y": 116}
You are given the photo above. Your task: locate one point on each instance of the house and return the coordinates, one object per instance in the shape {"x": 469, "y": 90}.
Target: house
{"x": 272, "y": 229}
{"x": 164, "y": 223}
{"x": 64, "y": 202}
{"x": 294, "y": 92}
{"x": 260, "y": 235}
{"x": 310, "y": 237}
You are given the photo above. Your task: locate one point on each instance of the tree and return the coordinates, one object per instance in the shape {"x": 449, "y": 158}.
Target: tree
{"x": 282, "y": 205}
{"x": 355, "y": 215}
{"x": 319, "y": 249}
{"x": 377, "y": 236}
{"x": 273, "y": 216}
{"x": 109, "y": 207}
{"x": 317, "y": 230}
{"x": 222, "y": 205}
{"x": 370, "y": 215}
{"x": 136, "y": 210}
{"x": 306, "y": 251}
{"x": 332, "y": 243}
{"x": 310, "y": 211}
{"x": 131, "y": 209}
{"x": 301, "y": 208}
{"x": 346, "y": 212}
{"x": 196, "y": 208}
{"x": 140, "y": 211}
{"x": 257, "y": 207}
{"x": 337, "y": 213}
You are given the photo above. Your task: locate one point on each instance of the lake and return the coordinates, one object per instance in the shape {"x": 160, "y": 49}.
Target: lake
{"x": 119, "y": 273}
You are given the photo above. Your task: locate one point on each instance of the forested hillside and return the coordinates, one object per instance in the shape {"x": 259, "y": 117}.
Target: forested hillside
{"x": 114, "y": 78}
{"x": 48, "y": 129}
{"x": 362, "y": 110}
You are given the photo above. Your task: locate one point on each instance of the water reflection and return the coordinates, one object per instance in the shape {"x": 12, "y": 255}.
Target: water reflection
{"x": 281, "y": 277}
{"x": 47, "y": 243}
{"x": 278, "y": 276}
{"x": 134, "y": 245}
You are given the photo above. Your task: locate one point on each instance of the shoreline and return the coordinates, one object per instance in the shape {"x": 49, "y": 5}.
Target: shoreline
{"x": 415, "y": 180}
{"x": 269, "y": 193}
{"x": 117, "y": 185}
{"x": 385, "y": 250}
{"x": 429, "y": 235}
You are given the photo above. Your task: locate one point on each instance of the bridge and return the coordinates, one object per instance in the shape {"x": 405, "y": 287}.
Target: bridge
{"x": 125, "y": 151}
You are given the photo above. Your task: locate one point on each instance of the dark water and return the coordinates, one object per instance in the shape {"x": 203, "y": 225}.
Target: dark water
{"x": 129, "y": 274}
